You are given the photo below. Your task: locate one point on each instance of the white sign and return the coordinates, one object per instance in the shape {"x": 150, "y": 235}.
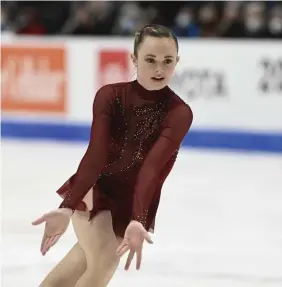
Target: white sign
{"x": 230, "y": 85}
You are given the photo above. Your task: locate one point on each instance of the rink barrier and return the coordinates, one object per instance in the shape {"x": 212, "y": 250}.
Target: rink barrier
{"x": 211, "y": 139}
{"x": 233, "y": 87}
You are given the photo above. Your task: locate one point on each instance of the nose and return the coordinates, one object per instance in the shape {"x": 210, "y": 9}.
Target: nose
{"x": 159, "y": 70}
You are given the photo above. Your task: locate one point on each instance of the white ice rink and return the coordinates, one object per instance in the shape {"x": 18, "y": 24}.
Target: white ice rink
{"x": 219, "y": 222}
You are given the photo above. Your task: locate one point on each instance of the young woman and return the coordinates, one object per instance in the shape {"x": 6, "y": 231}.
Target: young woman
{"x": 113, "y": 197}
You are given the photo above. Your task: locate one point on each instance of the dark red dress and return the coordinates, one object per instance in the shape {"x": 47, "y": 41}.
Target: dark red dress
{"x": 135, "y": 138}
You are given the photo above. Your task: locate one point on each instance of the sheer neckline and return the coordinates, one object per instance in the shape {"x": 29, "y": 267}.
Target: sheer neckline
{"x": 150, "y": 94}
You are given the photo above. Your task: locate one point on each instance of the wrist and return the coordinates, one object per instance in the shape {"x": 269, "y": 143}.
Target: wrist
{"x": 136, "y": 222}
{"x": 67, "y": 211}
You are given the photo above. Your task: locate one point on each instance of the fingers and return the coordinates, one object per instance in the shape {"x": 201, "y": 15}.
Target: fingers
{"x": 122, "y": 250}
{"x": 139, "y": 258}
{"x": 121, "y": 246}
{"x": 148, "y": 238}
{"x": 53, "y": 240}
{"x": 134, "y": 248}
{"x": 129, "y": 259}
{"x": 44, "y": 238}
{"x": 39, "y": 220}
{"x": 44, "y": 242}
{"x": 48, "y": 243}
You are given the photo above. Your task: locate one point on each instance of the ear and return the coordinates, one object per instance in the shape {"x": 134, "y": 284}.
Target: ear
{"x": 177, "y": 59}
{"x": 134, "y": 60}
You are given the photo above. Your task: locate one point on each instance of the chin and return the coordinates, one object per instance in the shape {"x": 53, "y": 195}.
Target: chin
{"x": 158, "y": 84}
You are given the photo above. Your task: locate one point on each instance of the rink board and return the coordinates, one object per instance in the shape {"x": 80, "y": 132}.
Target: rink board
{"x": 233, "y": 87}
{"x": 195, "y": 138}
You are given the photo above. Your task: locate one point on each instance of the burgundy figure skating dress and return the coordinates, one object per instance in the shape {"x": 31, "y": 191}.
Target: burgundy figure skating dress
{"x": 134, "y": 141}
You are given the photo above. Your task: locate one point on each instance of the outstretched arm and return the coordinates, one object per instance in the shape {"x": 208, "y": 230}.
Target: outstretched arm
{"x": 96, "y": 154}
{"x": 175, "y": 128}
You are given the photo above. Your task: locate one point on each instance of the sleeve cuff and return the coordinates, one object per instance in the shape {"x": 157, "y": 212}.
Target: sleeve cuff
{"x": 142, "y": 218}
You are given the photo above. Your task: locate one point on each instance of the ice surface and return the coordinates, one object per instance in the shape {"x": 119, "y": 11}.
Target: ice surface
{"x": 219, "y": 223}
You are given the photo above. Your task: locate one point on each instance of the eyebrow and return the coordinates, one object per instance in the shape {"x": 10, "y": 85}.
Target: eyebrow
{"x": 154, "y": 56}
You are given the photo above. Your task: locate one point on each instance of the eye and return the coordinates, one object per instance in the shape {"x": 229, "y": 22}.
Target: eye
{"x": 149, "y": 60}
{"x": 168, "y": 61}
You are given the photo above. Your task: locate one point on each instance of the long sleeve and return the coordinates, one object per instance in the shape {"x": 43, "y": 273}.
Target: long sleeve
{"x": 96, "y": 155}
{"x": 174, "y": 129}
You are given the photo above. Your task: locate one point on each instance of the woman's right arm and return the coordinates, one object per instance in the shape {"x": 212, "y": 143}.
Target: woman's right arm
{"x": 95, "y": 158}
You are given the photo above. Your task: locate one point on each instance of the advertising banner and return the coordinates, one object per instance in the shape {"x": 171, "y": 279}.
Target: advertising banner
{"x": 33, "y": 79}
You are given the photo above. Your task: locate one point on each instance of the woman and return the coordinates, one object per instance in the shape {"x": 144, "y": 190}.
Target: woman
{"x": 113, "y": 197}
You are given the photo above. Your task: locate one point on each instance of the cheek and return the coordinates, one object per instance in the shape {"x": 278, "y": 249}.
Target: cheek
{"x": 169, "y": 69}
{"x": 147, "y": 69}
{"x": 144, "y": 68}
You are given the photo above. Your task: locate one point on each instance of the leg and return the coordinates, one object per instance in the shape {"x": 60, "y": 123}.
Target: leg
{"x": 100, "y": 263}
{"x": 68, "y": 271}
{"x": 73, "y": 265}
{"x": 97, "y": 239}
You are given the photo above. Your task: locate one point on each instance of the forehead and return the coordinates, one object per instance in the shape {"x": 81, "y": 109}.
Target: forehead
{"x": 158, "y": 46}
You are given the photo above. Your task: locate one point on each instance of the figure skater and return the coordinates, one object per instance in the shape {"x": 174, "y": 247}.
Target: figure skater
{"x": 113, "y": 197}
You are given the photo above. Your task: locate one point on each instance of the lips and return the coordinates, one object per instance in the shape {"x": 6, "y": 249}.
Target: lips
{"x": 157, "y": 79}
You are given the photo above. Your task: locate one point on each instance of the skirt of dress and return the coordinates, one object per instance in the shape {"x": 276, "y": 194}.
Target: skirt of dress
{"x": 118, "y": 200}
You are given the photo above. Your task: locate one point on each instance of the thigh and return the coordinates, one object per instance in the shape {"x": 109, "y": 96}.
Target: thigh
{"x": 88, "y": 199}
{"x": 67, "y": 272}
{"x": 96, "y": 237}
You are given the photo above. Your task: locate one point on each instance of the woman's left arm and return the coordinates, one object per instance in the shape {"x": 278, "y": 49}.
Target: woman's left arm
{"x": 175, "y": 127}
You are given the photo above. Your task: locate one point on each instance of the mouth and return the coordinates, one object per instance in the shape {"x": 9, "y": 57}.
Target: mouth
{"x": 157, "y": 79}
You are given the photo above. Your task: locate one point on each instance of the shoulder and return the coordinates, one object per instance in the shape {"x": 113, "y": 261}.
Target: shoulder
{"x": 110, "y": 91}
{"x": 179, "y": 107}
{"x": 115, "y": 87}
{"x": 180, "y": 116}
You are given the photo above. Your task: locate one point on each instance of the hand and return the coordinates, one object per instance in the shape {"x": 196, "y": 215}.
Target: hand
{"x": 56, "y": 223}
{"x": 133, "y": 240}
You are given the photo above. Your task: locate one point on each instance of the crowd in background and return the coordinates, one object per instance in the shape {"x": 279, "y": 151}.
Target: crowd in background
{"x": 225, "y": 19}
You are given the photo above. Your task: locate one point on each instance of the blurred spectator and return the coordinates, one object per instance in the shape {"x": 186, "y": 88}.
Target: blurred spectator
{"x": 185, "y": 25}
{"x": 130, "y": 19}
{"x": 153, "y": 15}
{"x": 226, "y": 19}
{"x": 103, "y": 13}
{"x": 208, "y": 20}
{"x": 254, "y": 20}
{"x": 29, "y": 23}
{"x": 81, "y": 23}
{"x": 230, "y": 25}
{"x": 90, "y": 18}
{"x": 275, "y": 22}
{"x": 5, "y": 20}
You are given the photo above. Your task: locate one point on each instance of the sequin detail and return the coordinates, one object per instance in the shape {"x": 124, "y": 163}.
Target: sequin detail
{"x": 119, "y": 131}
{"x": 66, "y": 196}
{"x": 142, "y": 218}
{"x": 146, "y": 132}
{"x": 148, "y": 129}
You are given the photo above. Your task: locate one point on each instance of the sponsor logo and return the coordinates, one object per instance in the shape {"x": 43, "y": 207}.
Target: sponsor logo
{"x": 33, "y": 79}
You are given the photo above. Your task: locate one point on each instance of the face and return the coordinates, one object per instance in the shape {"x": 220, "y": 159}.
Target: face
{"x": 253, "y": 17}
{"x": 184, "y": 18}
{"x": 207, "y": 14}
{"x": 231, "y": 10}
{"x": 155, "y": 62}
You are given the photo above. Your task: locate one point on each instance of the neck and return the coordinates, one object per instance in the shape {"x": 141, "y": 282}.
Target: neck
{"x": 149, "y": 89}
{"x": 144, "y": 85}
{"x": 150, "y": 94}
